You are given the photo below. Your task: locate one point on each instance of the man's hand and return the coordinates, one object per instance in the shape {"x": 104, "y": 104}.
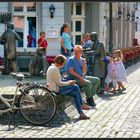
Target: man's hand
{"x": 72, "y": 82}
{"x": 82, "y": 80}
{"x": 65, "y": 50}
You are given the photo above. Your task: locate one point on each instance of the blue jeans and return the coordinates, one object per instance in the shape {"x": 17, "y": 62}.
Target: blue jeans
{"x": 73, "y": 91}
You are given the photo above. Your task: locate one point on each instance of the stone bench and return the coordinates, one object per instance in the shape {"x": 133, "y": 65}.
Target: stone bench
{"x": 65, "y": 102}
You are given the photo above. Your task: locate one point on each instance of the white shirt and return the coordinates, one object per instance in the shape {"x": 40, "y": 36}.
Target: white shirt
{"x": 54, "y": 78}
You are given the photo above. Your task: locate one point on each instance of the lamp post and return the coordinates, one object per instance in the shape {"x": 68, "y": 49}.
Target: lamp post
{"x": 137, "y": 20}
{"x": 128, "y": 16}
{"x": 52, "y": 10}
{"x": 110, "y": 28}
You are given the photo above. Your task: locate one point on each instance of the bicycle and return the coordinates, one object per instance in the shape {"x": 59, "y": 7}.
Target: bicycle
{"x": 36, "y": 103}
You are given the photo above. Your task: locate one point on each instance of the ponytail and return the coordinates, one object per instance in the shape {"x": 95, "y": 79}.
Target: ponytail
{"x": 62, "y": 28}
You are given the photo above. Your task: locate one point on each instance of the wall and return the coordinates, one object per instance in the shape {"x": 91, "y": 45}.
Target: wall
{"x": 53, "y": 23}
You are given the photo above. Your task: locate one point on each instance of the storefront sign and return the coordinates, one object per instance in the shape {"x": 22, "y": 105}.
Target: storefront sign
{"x": 52, "y": 33}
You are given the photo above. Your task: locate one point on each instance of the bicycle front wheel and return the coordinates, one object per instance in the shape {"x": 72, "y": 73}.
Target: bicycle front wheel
{"x": 38, "y": 106}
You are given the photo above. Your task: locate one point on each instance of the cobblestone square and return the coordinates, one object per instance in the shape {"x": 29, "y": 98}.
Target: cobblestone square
{"x": 115, "y": 116}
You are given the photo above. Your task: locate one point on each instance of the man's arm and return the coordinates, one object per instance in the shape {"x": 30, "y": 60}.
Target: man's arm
{"x": 98, "y": 50}
{"x": 79, "y": 77}
{"x": 17, "y": 36}
{"x": 73, "y": 73}
{"x": 2, "y": 37}
{"x": 84, "y": 68}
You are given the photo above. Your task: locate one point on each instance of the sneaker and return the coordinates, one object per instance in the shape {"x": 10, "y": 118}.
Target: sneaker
{"x": 91, "y": 102}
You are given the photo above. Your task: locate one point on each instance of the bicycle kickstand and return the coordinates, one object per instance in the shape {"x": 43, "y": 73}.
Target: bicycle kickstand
{"x": 12, "y": 116}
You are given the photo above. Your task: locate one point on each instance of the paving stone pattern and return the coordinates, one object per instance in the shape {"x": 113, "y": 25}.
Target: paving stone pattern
{"x": 115, "y": 115}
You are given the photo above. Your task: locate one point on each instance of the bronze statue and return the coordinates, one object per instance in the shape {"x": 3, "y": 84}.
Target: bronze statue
{"x": 99, "y": 67}
{"x": 10, "y": 37}
{"x": 38, "y": 63}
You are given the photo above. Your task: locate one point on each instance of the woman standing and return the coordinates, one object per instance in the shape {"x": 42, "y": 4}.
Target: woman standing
{"x": 65, "y": 88}
{"x": 65, "y": 40}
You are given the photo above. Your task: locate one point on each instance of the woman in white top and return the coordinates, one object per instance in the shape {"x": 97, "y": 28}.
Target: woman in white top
{"x": 65, "y": 88}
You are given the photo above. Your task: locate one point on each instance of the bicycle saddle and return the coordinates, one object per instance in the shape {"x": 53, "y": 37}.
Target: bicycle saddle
{"x": 19, "y": 76}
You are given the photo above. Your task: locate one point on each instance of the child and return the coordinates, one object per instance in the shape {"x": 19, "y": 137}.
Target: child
{"x": 121, "y": 72}
{"x": 86, "y": 42}
{"x": 111, "y": 74}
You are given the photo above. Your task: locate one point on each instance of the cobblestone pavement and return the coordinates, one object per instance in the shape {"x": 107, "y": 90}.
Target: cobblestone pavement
{"x": 116, "y": 115}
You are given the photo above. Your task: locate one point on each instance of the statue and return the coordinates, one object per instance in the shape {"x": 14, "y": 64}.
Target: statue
{"x": 9, "y": 38}
{"x": 99, "y": 67}
{"x": 38, "y": 65}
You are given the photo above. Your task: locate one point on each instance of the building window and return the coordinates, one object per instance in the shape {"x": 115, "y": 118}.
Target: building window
{"x": 18, "y": 7}
{"x": 78, "y": 26}
{"x": 31, "y": 37}
{"x": 31, "y": 7}
{"x": 78, "y": 8}
{"x": 78, "y": 21}
{"x": 19, "y": 28}
{"x": 77, "y": 39}
{"x": 25, "y": 24}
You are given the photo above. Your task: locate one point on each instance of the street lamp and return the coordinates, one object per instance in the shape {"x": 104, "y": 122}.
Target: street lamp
{"x": 110, "y": 28}
{"x": 119, "y": 13}
{"x": 136, "y": 6}
{"x": 52, "y": 10}
{"x": 137, "y": 20}
{"x": 133, "y": 16}
{"x": 128, "y": 16}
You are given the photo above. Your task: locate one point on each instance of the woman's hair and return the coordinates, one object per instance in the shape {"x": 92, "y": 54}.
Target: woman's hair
{"x": 60, "y": 59}
{"x": 119, "y": 53}
{"x": 65, "y": 25}
{"x": 42, "y": 33}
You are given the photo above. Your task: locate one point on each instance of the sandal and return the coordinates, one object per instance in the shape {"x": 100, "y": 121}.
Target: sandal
{"x": 123, "y": 89}
{"x": 113, "y": 91}
{"x": 119, "y": 90}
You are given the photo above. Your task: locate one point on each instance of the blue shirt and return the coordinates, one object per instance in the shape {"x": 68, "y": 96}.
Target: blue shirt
{"x": 72, "y": 62}
{"x": 67, "y": 40}
{"x": 86, "y": 44}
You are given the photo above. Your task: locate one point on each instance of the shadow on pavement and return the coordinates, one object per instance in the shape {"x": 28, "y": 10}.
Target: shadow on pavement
{"x": 132, "y": 68}
{"x": 19, "y": 122}
{"x": 107, "y": 96}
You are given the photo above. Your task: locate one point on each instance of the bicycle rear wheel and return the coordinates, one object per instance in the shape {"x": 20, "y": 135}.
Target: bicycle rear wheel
{"x": 38, "y": 106}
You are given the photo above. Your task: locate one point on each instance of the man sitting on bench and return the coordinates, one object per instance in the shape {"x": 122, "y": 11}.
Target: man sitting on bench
{"x": 76, "y": 67}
